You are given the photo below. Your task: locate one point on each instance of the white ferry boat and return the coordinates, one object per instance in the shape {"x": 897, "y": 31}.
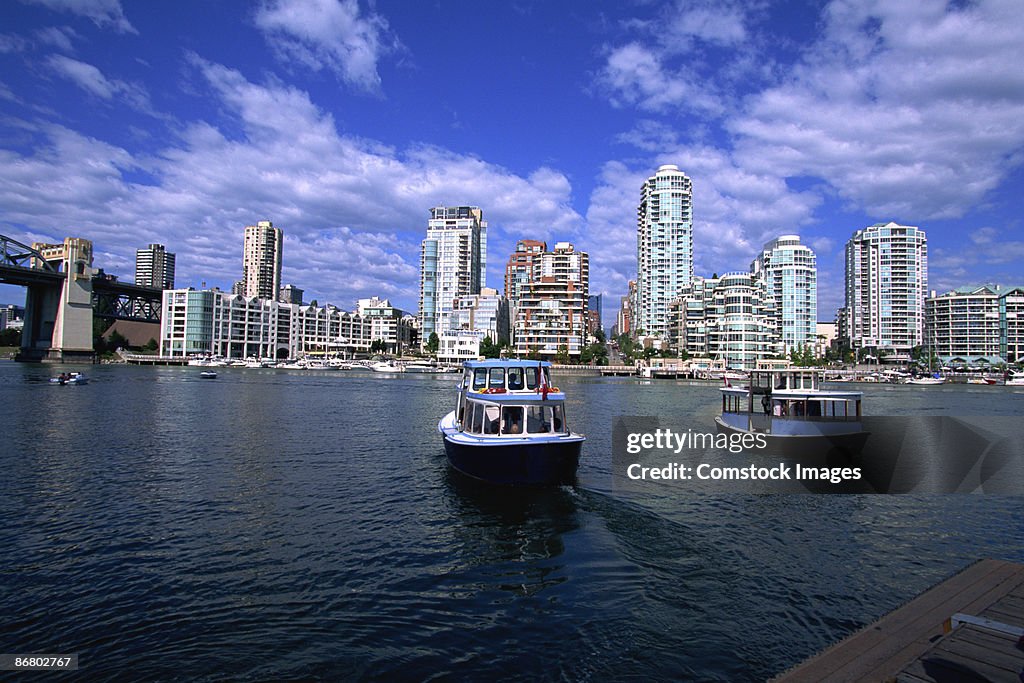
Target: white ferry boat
{"x": 509, "y": 425}
{"x": 790, "y": 409}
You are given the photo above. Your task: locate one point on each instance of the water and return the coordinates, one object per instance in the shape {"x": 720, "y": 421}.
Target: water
{"x": 301, "y": 526}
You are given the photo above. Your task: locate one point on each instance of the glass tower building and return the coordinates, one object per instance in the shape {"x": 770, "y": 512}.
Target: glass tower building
{"x": 664, "y": 246}
{"x": 790, "y": 271}
{"x": 453, "y": 263}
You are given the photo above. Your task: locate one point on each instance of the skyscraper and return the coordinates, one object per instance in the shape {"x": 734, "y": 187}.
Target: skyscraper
{"x": 453, "y": 262}
{"x": 886, "y": 284}
{"x": 790, "y": 271}
{"x": 520, "y": 266}
{"x": 664, "y": 246}
{"x": 261, "y": 260}
{"x": 154, "y": 267}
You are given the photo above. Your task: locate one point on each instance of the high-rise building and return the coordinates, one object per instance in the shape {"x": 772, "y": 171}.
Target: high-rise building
{"x": 552, "y": 311}
{"x": 154, "y": 267}
{"x": 594, "y": 313}
{"x": 625, "y": 321}
{"x": 730, "y": 319}
{"x": 886, "y": 284}
{"x": 261, "y": 260}
{"x": 453, "y": 262}
{"x": 664, "y": 246}
{"x": 790, "y": 271}
{"x": 520, "y": 266}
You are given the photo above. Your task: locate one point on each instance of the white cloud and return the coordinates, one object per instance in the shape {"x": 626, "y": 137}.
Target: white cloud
{"x": 353, "y": 211}
{"x": 906, "y": 109}
{"x": 91, "y": 79}
{"x": 103, "y": 13}
{"x": 634, "y": 75}
{"x": 58, "y": 37}
{"x": 331, "y": 34}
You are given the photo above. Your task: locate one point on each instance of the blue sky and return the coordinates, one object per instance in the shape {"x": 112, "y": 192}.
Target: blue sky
{"x": 343, "y": 122}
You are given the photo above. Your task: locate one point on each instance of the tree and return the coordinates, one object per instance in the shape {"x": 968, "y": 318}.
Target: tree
{"x": 10, "y": 337}
{"x": 433, "y": 341}
{"x": 150, "y": 346}
{"x": 488, "y": 349}
{"x": 562, "y": 357}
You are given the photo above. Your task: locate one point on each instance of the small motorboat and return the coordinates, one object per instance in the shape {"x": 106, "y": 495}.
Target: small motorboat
{"x": 69, "y": 378}
{"x": 208, "y": 374}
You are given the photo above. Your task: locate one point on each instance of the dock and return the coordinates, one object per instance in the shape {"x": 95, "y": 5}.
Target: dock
{"x": 912, "y": 645}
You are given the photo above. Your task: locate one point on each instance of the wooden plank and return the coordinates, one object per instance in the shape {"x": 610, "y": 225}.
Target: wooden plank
{"x": 881, "y": 649}
{"x": 968, "y": 668}
{"x": 975, "y": 643}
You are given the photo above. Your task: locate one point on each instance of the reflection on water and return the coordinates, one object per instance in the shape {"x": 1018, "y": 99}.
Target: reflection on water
{"x": 269, "y": 526}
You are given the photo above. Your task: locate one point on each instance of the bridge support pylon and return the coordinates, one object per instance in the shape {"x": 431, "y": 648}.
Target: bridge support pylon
{"x": 58, "y": 319}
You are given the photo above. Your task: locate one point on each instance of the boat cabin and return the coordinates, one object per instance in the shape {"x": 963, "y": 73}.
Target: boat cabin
{"x": 510, "y": 398}
{"x": 791, "y": 393}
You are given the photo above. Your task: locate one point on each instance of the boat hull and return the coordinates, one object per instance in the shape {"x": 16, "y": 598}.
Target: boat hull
{"x": 528, "y": 463}
{"x": 810, "y": 444}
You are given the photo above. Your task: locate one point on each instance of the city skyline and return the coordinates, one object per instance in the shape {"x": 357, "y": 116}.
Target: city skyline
{"x": 344, "y": 130}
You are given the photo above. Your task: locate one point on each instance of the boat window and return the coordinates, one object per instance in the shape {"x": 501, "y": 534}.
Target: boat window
{"x": 478, "y": 418}
{"x": 479, "y": 378}
{"x": 531, "y": 378}
{"x": 558, "y": 420}
{"x": 538, "y": 419}
{"x": 516, "y": 380}
{"x": 467, "y": 416}
{"x": 512, "y": 420}
{"x": 497, "y": 380}
{"x": 491, "y": 414}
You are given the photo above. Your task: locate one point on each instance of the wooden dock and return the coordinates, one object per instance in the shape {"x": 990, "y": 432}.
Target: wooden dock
{"x": 909, "y": 645}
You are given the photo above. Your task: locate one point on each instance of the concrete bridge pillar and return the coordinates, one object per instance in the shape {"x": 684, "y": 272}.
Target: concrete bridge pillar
{"x": 58, "y": 320}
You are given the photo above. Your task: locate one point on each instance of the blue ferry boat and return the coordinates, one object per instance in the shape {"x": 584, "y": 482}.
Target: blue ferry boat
{"x": 509, "y": 425}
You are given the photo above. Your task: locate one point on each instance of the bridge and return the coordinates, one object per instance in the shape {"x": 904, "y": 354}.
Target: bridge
{"x": 65, "y": 297}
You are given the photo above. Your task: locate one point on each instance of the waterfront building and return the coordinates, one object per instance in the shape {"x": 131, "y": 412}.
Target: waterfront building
{"x": 731, "y": 319}
{"x": 552, "y": 311}
{"x": 261, "y": 260}
{"x": 453, "y": 262}
{"x": 458, "y": 346}
{"x": 790, "y": 272}
{"x": 976, "y": 324}
{"x": 886, "y": 284}
{"x": 486, "y": 312}
{"x": 212, "y": 322}
{"x": 664, "y": 246}
{"x": 387, "y": 324}
{"x": 154, "y": 267}
{"x": 290, "y": 294}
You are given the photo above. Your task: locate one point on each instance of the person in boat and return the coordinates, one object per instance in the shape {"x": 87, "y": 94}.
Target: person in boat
{"x": 513, "y": 425}
{"x": 766, "y": 404}
{"x": 780, "y": 409}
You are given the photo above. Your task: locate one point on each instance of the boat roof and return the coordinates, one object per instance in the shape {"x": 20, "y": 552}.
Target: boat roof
{"x": 505, "y": 363}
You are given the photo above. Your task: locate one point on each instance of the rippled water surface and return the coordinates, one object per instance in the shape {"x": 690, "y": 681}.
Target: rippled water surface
{"x": 283, "y": 526}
